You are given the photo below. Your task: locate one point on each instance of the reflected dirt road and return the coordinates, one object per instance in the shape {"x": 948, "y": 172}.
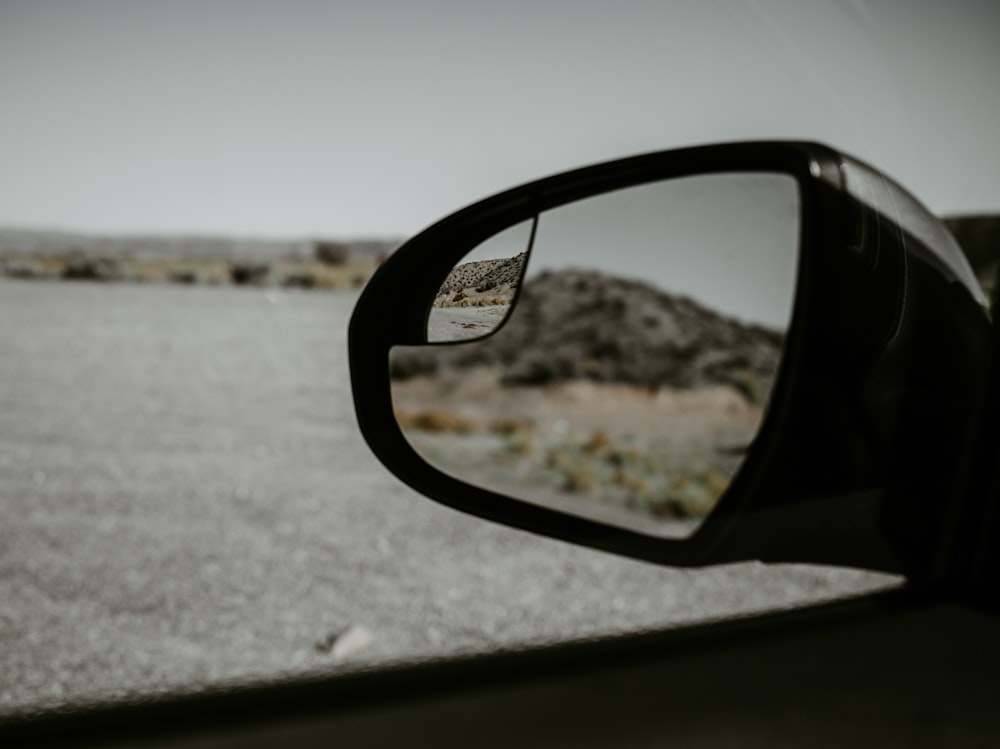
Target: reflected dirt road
{"x": 186, "y": 500}
{"x": 461, "y": 323}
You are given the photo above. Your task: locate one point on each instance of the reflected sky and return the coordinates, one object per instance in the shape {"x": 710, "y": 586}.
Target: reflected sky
{"x": 729, "y": 241}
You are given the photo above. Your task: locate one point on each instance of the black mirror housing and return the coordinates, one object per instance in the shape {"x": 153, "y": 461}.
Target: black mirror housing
{"x": 880, "y": 382}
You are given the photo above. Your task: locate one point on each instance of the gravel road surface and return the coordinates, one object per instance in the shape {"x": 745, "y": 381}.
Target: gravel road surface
{"x": 187, "y": 501}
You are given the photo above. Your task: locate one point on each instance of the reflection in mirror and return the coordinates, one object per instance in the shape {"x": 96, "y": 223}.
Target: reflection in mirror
{"x": 636, "y": 365}
{"x": 476, "y": 297}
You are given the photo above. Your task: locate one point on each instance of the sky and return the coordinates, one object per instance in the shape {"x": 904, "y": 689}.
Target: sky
{"x": 306, "y": 118}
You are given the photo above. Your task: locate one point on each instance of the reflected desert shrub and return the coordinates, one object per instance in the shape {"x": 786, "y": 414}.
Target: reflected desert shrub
{"x": 543, "y": 368}
{"x": 518, "y": 435}
{"x": 581, "y": 478}
{"x": 521, "y": 443}
{"x": 750, "y": 384}
{"x": 510, "y": 427}
{"x": 598, "y": 444}
{"x": 436, "y": 421}
{"x": 694, "y": 494}
{"x": 636, "y": 487}
{"x": 647, "y": 480}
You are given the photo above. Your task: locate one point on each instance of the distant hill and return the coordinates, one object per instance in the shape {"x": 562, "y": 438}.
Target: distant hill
{"x": 582, "y": 324}
{"x": 41, "y": 242}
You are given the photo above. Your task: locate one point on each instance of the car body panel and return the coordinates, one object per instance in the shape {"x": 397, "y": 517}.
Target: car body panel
{"x": 894, "y": 669}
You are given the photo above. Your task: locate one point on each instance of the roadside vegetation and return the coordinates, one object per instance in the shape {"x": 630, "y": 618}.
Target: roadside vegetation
{"x": 303, "y": 264}
{"x": 621, "y": 470}
{"x": 285, "y": 272}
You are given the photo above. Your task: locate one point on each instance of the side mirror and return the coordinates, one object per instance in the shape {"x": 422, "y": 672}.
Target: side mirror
{"x": 622, "y": 371}
{"x": 690, "y": 357}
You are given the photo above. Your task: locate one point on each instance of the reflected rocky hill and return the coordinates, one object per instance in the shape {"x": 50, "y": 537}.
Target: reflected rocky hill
{"x": 500, "y": 276}
{"x": 584, "y": 325}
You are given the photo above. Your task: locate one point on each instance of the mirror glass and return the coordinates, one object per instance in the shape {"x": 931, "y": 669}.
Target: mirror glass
{"x": 477, "y": 295}
{"x": 636, "y": 362}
